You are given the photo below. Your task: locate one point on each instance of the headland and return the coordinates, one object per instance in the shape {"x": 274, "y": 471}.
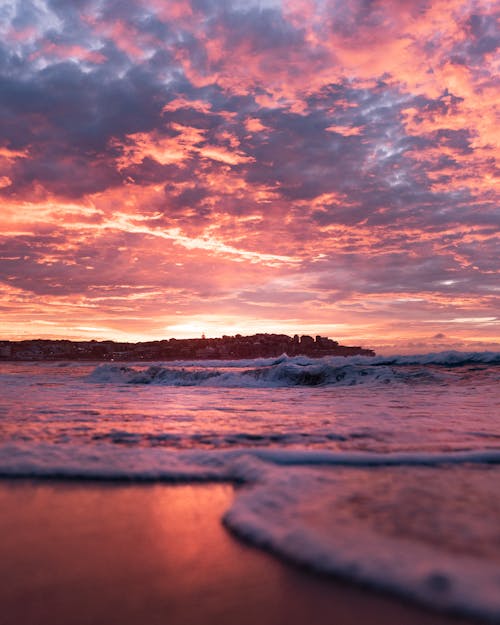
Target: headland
{"x": 226, "y": 347}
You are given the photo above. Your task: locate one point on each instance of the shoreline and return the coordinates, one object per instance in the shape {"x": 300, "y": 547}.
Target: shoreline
{"x": 84, "y": 552}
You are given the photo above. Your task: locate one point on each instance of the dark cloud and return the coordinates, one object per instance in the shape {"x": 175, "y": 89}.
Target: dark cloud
{"x": 483, "y": 32}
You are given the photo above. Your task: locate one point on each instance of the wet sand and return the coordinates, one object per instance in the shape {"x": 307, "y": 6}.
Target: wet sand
{"x": 88, "y": 553}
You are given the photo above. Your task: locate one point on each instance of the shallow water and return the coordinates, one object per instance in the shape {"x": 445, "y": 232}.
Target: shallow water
{"x": 382, "y": 470}
{"x": 134, "y": 554}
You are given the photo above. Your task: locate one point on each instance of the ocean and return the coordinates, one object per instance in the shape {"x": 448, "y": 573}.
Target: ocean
{"x": 381, "y": 470}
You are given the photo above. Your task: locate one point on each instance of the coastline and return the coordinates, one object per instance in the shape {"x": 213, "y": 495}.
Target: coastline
{"x": 101, "y": 552}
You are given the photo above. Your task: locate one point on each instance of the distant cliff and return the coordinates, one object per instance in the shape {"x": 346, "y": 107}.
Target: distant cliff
{"x": 227, "y": 347}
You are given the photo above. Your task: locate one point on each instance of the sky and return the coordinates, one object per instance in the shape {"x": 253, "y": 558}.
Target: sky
{"x": 173, "y": 168}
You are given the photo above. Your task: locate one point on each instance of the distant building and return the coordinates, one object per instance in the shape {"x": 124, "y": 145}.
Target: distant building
{"x": 5, "y": 351}
{"x": 306, "y": 341}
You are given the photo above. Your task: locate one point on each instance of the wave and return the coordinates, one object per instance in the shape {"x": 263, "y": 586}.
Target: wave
{"x": 443, "y": 359}
{"x": 450, "y": 358}
{"x": 286, "y": 371}
{"x": 334, "y": 523}
{"x": 107, "y": 462}
{"x": 285, "y": 374}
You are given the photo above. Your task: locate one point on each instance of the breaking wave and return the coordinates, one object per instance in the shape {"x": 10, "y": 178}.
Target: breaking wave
{"x": 281, "y": 375}
{"x": 297, "y": 371}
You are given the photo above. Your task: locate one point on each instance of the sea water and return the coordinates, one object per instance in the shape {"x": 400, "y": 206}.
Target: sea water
{"x": 383, "y": 470}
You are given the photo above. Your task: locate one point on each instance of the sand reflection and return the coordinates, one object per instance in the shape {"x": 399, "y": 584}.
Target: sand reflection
{"x": 74, "y": 553}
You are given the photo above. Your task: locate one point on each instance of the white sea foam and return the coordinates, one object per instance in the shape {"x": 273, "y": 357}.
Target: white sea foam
{"x": 448, "y": 358}
{"x": 280, "y": 513}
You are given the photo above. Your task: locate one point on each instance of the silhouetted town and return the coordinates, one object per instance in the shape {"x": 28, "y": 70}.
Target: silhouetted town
{"x": 227, "y": 347}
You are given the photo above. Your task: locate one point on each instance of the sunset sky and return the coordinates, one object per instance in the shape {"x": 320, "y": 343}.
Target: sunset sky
{"x": 173, "y": 168}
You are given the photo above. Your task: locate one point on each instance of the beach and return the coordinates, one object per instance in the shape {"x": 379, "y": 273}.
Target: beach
{"x": 250, "y": 312}
{"x": 86, "y": 552}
